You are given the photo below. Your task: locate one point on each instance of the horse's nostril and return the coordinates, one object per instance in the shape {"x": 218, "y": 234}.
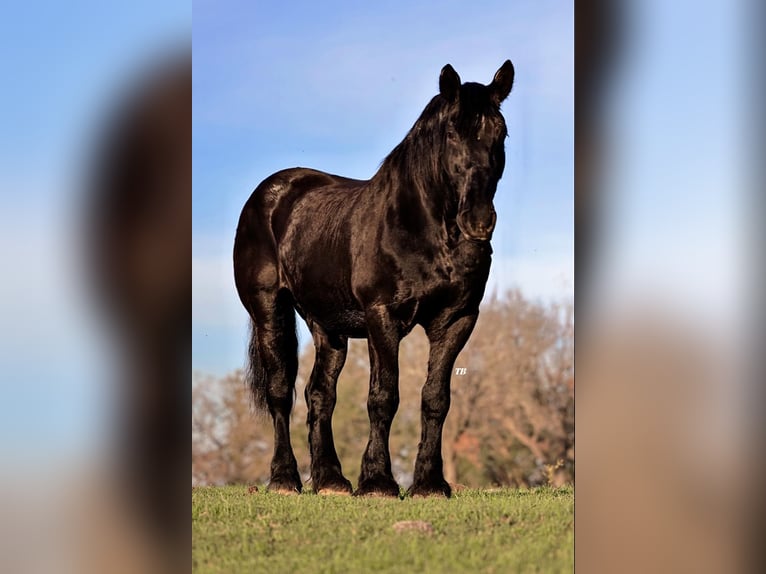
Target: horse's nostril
{"x": 485, "y": 228}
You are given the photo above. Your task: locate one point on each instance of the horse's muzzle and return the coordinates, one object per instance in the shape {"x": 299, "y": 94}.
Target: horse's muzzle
{"x": 478, "y": 238}
{"x": 478, "y": 231}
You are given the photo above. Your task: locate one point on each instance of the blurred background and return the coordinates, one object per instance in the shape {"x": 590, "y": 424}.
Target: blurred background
{"x": 668, "y": 334}
{"x": 95, "y": 209}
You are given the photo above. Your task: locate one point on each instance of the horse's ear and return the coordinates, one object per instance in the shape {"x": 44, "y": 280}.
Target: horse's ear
{"x": 502, "y": 82}
{"x": 449, "y": 83}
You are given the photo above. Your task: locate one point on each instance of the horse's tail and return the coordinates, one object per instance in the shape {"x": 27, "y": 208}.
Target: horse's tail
{"x": 280, "y": 346}
{"x": 255, "y": 374}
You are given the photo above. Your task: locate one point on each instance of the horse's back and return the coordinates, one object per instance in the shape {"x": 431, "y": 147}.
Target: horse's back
{"x": 281, "y": 190}
{"x": 300, "y": 180}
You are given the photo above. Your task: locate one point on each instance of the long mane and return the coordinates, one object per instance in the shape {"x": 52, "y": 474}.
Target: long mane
{"x": 417, "y": 157}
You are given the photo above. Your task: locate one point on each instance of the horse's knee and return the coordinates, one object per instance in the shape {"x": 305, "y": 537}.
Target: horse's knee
{"x": 333, "y": 364}
{"x": 279, "y": 398}
{"x": 435, "y": 401}
{"x": 436, "y": 409}
{"x": 382, "y": 403}
{"x": 320, "y": 397}
{"x": 280, "y": 389}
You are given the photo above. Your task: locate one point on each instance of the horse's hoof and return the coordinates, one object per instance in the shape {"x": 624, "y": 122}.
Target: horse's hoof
{"x": 423, "y": 490}
{"x": 283, "y": 490}
{"x": 339, "y": 486}
{"x": 285, "y": 486}
{"x": 380, "y": 487}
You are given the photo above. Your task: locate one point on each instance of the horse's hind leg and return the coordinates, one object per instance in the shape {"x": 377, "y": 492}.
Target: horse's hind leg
{"x": 274, "y": 349}
{"x": 326, "y": 474}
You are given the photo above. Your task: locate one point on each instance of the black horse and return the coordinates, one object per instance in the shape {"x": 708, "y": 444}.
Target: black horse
{"x": 371, "y": 259}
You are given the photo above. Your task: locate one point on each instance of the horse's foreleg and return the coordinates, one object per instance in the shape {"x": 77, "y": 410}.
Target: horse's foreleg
{"x": 326, "y": 474}
{"x": 446, "y": 343}
{"x": 383, "y": 342}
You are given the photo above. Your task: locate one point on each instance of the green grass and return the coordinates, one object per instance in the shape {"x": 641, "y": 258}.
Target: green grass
{"x": 499, "y": 531}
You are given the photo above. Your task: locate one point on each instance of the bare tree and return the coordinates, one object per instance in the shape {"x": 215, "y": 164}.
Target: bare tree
{"x": 228, "y": 441}
{"x": 511, "y": 409}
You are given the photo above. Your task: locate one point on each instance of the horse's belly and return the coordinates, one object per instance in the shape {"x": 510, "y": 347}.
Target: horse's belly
{"x": 340, "y": 320}
{"x": 323, "y": 295}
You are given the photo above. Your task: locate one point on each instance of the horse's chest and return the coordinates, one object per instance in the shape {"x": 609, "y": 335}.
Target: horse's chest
{"x": 471, "y": 260}
{"x": 455, "y": 277}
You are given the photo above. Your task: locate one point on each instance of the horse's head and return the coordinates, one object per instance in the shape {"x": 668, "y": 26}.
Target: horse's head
{"x": 474, "y": 134}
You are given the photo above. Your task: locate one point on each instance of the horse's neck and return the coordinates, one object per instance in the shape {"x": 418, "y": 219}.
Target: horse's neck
{"x": 400, "y": 191}
{"x": 404, "y": 182}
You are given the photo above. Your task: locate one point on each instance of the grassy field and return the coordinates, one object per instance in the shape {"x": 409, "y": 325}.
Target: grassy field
{"x": 475, "y": 531}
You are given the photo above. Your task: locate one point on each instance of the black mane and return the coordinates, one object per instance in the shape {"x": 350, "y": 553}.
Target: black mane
{"x": 417, "y": 156}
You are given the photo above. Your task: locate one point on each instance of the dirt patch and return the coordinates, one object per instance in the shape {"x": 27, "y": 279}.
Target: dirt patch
{"x": 413, "y": 526}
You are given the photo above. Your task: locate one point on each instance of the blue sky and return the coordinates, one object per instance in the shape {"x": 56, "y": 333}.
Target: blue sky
{"x": 335, "y": 86}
